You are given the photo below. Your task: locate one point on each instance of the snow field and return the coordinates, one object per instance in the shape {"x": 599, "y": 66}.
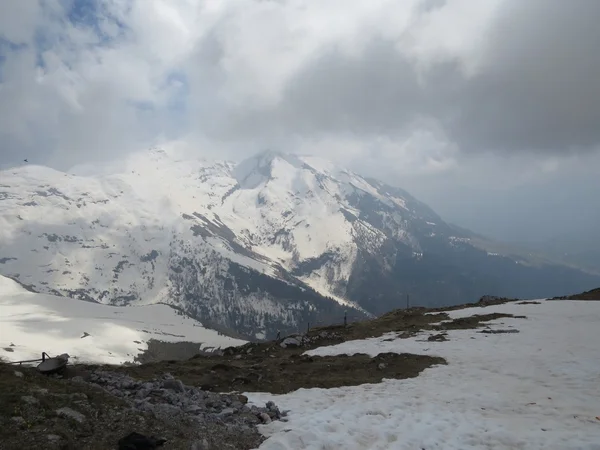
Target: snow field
{"x": 536, "y": 389}
{"x": 33, "y": 323}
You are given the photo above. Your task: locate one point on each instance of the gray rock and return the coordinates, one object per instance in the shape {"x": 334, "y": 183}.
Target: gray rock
{"x": 200, "y": 445}
{"x": 264, "y": 417}
{"x": 174, "y": 385}
{"x": 290, "y": 342}
{"x": 226, "y": 412}
{"x": 18, "y": 420}
{"x": 19, "y": 374}
{"x": 53, "y": 437}
{"x": 69, "y": 413}
{"x": 381, "y": 366}
{"x": 29, "y": 400}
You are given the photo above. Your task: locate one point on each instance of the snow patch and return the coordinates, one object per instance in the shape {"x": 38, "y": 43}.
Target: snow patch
{"x": 536, "y": 389}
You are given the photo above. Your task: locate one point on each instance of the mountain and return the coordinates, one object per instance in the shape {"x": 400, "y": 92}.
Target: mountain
{"x": 276, "y": 242}
{"x": 33, "y": 323}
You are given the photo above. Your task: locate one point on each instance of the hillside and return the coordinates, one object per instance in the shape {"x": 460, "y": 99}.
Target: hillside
{"x": 498, "y": 374}
{"x": 275, "y": 242}
{"x": 594, "y": 294}
{"x": 91, "y": 332}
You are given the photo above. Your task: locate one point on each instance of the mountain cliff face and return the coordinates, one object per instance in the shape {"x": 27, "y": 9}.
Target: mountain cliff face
{"x": 272, "y": 243}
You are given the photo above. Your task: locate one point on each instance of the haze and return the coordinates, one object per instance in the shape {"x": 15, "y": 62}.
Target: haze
{"x": 486, "y": 110}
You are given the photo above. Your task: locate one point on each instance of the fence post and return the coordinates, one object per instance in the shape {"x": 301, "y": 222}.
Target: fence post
{"x": 307, "y": 327}
{"x": 345, "y": 318}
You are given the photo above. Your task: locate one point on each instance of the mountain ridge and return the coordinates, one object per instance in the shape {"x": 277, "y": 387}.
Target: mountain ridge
{"x": 275, "y": 242}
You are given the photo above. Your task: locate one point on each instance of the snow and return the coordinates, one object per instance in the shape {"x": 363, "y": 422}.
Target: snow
{"x": 90, "y": 232}
{"x": 537, "y": 389}
{"x": 34, "y": 323}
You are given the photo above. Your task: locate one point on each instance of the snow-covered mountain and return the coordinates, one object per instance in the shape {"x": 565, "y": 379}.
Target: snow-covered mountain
{"x": 274, "y": 242}
{"x": 33, "y": 323}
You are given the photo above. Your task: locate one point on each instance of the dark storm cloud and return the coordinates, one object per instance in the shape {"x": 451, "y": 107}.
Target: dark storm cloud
{"x": 536, "y": 87}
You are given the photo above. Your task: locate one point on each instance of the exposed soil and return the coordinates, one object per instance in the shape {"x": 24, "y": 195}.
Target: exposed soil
{"x": 282, "y": 373}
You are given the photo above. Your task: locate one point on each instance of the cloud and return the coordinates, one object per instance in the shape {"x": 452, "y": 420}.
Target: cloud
{"x": 420, "y": 84}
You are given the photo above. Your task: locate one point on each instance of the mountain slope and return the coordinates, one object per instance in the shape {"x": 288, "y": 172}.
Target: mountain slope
{"x": 90, "y": 332}
{"x": 274, "y": 242}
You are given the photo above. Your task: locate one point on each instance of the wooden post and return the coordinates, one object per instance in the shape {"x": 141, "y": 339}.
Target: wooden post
{"x": 307, "y": 327}
{"x": 345, "y": 318}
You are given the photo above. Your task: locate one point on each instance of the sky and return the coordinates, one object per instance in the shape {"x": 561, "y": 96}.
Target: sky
{"x": 488, "y": 111}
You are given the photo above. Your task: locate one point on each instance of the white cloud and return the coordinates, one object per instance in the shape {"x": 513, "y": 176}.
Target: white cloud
{"x": 399, "y": 89}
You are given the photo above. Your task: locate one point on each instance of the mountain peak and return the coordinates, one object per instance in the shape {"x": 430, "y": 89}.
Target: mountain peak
{"x": 258, "y": 169}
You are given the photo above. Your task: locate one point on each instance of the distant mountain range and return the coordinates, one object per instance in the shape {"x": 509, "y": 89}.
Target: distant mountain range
{"x": 276, "y": 242}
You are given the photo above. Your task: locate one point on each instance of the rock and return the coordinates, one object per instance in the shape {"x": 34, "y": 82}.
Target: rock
{"x": 437, "y": 337}
{"x": 237, "y": 357}
{"x": 18, "y": 420}
{"x": 381, "y": 366}
{"x": 137, "y": 441}
{"x": 200, "y": 445}
{"x": 53, "y": 437}
{"x": 174, "y": 385}
{"x": 168, "y": 376}
{"x": 290, "y": 342}
{"x": 264, "y": 417}
{"x": 19, "y": 374}
{"x": 29, "y": 399}
{"x": 70, "y": 414}
{"x": 271, "y": 406}
{"x": 77, "y": 379}
{"x": 226, "y": 412}
{"x": 243, "y": 399}
{"x": 78, "y": 396}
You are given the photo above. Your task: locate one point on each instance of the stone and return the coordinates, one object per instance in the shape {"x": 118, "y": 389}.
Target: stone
{"x": 243, "y": 399}
{"x": 137, "y": 441}
{"x": 18, "y": 420}
{"x": 70, "y": 413}
{"x": 226, "y": 412}
{"x": 381, "y": 366}
{"x": 264, "y": 417}
{"x": 290, "y": 342}
{"x": 174, "y": 385}
{"x": 19, "y": 374}
{"x": 29, "y": 399}
{"x": 200, "y": 445}
{"x": 53, "y": 437}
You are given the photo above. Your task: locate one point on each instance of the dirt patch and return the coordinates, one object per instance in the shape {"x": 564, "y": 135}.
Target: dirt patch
{"x": 282, "y": 372}
{"x": 472, "y": 322}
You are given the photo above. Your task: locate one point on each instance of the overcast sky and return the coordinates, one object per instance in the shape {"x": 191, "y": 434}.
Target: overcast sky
{"x": 488, "y": 110}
